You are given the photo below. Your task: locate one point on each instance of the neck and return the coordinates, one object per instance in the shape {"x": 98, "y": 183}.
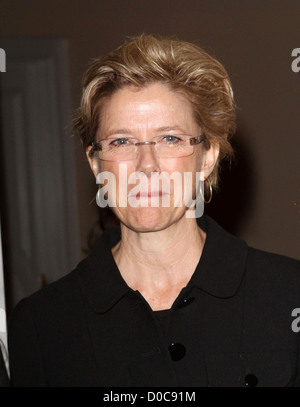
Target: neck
{"x": 160, "y": 260}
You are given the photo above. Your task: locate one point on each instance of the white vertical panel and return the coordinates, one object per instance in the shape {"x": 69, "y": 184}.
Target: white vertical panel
{"x": 3, "y": 327}
{"x": 40, "y": 197}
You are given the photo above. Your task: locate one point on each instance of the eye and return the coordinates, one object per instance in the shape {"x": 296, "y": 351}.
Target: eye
{"x": 119, "y": 142}
{"x": 172, "y": 139}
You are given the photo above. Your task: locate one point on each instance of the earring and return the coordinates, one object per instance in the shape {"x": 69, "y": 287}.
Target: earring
{"x": 210, "y": 191}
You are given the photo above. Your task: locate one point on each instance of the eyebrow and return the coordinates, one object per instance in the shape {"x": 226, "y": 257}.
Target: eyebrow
{"x": 158, "y": 130}
{"x": 117, "y": 131}
{"x": 170, "y": 128}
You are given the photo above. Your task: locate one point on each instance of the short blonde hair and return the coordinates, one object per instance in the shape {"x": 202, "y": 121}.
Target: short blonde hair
{"x": 182, "y": 66}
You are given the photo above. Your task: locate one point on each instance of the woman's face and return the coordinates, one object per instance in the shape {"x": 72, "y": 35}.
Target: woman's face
{"x": 143, "y": 114}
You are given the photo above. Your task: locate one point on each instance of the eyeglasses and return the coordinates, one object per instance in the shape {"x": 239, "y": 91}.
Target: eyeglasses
{"x": 126, "y": 148}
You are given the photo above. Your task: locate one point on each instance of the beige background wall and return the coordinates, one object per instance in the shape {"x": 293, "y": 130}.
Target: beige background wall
{"x": 254, "y": 40}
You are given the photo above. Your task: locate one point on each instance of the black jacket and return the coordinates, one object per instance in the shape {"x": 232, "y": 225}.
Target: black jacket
{"x": 230, "y": 326}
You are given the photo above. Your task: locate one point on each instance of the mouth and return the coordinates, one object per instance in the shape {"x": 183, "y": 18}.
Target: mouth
{"x": 149, "y": 194}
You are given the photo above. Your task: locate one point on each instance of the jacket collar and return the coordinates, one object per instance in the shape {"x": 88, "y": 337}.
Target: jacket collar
{"x": 219, "y": 271}
{"x": 223, "y": 261}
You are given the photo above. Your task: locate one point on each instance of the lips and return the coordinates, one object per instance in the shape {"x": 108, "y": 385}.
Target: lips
{"x": 149, "y": 194}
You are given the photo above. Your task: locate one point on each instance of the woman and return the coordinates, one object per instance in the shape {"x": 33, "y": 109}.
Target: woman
{"x": 168, "y": 298}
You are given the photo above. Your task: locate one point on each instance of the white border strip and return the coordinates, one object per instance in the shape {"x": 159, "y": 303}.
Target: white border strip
{"x": 3, "y": 325}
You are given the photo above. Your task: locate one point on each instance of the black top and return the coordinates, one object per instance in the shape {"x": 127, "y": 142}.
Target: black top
{"x": 162, "y": 317}
{"x": 230, "y": 326}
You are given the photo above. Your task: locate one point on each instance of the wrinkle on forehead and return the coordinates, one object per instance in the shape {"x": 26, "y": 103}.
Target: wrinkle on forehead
{"x": 154, "y": 108}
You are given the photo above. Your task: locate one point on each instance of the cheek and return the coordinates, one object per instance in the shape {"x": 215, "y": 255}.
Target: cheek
{"x": 112, "y": 168}
{"x": 120, "y": 174}
{"x": 190, "y": 164}
{"x": 181, "y": 165}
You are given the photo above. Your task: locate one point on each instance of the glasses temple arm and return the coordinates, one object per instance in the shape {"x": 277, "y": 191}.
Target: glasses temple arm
{"x": 197, "y": 140}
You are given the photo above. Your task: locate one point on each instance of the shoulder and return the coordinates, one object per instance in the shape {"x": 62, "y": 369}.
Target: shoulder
{"x": 273, "y": 274}
{"x": 64, "y": 299}
{"x": 57, "y": 298}
{"x": 271, "y": 262}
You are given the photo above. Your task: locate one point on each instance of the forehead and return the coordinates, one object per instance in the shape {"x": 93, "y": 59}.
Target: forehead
{"x": 149, "y": 108}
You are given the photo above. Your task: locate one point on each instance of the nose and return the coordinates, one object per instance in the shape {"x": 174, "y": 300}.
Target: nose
{"x": 147, "y": 161}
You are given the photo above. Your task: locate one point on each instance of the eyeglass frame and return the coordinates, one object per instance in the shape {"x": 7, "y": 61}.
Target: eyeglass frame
{"x": 193, "y": 141}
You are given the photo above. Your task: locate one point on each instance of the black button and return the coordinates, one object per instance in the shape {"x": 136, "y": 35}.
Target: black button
{"x": 185, "y": 301}
{"x": 251, "y": 380}
{"x": 177, "y": 351}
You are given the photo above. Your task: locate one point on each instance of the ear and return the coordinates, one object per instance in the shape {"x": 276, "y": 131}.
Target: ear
{"x": 93, "y": 160}
{"x": 209, "y": 159}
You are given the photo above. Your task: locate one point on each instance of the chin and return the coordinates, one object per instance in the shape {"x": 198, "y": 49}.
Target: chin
{"x": 148, "y": 219}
